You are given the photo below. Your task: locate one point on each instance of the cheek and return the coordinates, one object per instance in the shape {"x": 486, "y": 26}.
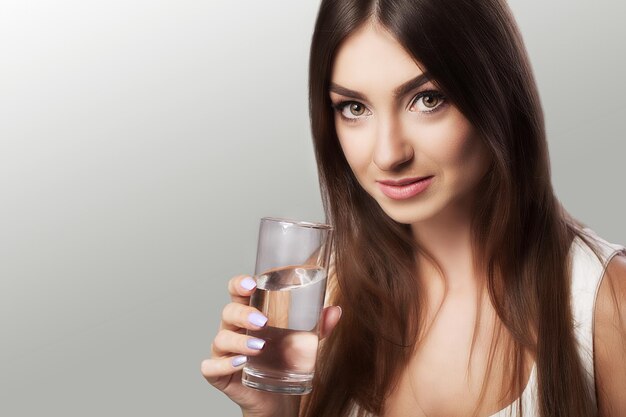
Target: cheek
{"x": 353, "y": 142}
{"x": 451, "y": 144}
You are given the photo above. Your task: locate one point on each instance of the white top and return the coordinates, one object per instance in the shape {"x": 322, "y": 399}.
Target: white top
{"x": 587, "y": 272}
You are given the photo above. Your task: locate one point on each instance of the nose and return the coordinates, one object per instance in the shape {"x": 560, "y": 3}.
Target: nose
{"x": 392, "y": 149}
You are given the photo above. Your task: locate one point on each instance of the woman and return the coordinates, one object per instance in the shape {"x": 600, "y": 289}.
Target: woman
{"x": 466, "y": 289}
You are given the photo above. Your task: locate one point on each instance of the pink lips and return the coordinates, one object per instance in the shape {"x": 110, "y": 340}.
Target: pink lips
{"x": 403, "y": 189}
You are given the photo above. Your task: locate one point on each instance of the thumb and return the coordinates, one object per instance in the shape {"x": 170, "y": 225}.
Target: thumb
{"x": 330, "y": 318}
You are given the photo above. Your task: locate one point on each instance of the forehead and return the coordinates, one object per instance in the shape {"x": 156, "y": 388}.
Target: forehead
{"x": 372, "y": 56}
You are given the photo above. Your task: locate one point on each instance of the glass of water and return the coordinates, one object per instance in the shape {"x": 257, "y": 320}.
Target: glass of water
{"x": 291, "y": 271}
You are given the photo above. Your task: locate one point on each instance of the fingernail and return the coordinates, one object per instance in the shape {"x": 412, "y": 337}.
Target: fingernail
{"x": 256, "y": 344}
{"x": 238, "y": 360}
{"x": 257, "y": 319}
{"x": 248, "y": 283}
{"x": 340, "y": 311}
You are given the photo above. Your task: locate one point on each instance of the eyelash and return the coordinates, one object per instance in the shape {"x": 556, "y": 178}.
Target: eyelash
{"x": 430, "y": 93}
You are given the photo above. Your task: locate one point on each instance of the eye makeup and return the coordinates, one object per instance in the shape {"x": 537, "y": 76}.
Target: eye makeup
{"x": 343, "y": 105}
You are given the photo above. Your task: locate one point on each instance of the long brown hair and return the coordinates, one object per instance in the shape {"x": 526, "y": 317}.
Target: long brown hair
{"x": 521, "y": 234}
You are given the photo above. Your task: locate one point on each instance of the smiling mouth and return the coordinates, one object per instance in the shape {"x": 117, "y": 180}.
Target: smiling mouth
{"x": 405, "y": 181}
{"x": 401, "y": 190}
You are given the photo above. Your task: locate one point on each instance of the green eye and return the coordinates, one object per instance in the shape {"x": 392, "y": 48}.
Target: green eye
{"x": 351, "y": 111}
{"x": 431, "y": 101}
{"x": 357, "y": 109}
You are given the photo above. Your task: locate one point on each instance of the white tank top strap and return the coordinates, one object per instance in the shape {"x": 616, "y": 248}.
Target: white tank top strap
{"x": 587, "y": 273}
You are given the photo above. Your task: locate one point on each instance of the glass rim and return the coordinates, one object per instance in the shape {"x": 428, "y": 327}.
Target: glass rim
{"x": 300, "y": 223}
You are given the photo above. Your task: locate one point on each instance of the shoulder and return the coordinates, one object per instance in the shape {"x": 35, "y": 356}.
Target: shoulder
{"x": 614, "y": 281}
{"x": 611, "y": 298}
{"x": 609, "y": 337}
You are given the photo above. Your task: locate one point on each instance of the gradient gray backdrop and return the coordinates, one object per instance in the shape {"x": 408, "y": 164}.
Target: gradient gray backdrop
{"x": 141, "y": 141}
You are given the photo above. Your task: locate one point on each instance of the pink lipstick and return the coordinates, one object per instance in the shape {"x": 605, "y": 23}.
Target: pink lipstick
{"x": 404, "y": 188}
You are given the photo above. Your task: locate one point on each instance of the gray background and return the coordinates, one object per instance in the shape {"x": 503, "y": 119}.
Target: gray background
{"x": 141, "y": 141}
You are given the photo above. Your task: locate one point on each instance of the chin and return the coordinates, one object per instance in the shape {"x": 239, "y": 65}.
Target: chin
{"x": 409, "y": 213}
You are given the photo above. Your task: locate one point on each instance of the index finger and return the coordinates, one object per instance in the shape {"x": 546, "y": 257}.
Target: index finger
{"x": 240, "y": 288}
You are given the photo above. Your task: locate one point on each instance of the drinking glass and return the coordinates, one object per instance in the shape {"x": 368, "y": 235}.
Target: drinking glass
{"x": 291, "y": 271}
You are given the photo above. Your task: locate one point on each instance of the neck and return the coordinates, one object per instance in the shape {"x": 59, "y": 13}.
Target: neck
{"x": 447, "y": 237}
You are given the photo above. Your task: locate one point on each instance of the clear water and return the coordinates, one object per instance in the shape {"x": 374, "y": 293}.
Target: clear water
{"x": 292, "y": 298}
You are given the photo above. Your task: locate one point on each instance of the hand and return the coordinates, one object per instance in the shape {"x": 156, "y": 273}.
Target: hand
{"x": 231, "y": 347}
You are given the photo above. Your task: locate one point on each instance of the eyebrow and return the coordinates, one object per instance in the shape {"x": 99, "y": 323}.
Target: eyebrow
{"x": 399, "y": 91}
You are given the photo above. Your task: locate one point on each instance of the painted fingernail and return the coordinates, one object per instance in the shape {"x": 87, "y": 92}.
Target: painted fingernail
{"x": 256, "y": 344}
{"x": 248, "y": 283}
{"x": 238, "y": 360}
{"x": 257, "y": 319}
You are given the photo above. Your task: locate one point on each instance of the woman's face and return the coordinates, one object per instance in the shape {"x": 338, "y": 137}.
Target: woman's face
{"x": 393, "y": 129}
